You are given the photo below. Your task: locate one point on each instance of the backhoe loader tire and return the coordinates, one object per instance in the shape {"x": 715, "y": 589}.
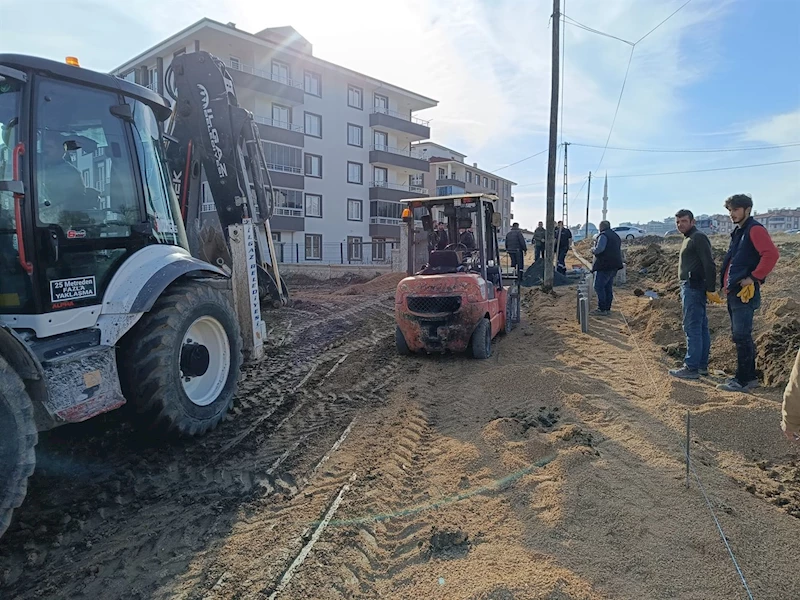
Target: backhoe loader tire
{"x": 18, "y": 439}
{"x": 181, "y": 364}
{"x": 482, "y": 340}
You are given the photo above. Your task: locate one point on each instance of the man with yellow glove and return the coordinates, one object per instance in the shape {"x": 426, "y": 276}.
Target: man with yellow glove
{"x": 698, "y": 276}
{"x": 751, "y": 257}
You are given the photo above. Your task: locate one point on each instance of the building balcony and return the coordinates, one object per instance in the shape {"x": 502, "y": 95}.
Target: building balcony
{"x": 285, "y": 218}
{"x": 288, "y": 90}
{"x": 451, "y": 182}
{"x": 385, "y": 219}
{"x": 281, "y": 132}
{"x": 383, "y": 117}
{"x": 394, "y": 157}
{"x": 383, "y": 190}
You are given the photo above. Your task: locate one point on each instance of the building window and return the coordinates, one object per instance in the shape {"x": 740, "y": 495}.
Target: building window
{"x": 354, "y": 247}
{"x": 486, "y": 182}
{"x": 380, "y": 175}
{"x": 494, "y": 185}
{"x": 355, "y": 172}
{"x": 381, "y": 140}
{"x": 280, "y": 72}
{"x": 86, "y": 178}
{"x": 281, "y": 116}
{"x": 313, "y": 165}
{"x": 378, "y": 249}
{"x": 312, "y": 83}
{"x": 276, "y": 237}
{"x": 469, "y": 176}
{"x": 314, "y": 205}
{"x": 416, "y": 180}
{"x": 152, "y": 79}
{"x": 441, "y": 173}
{"x": 354, "y": 212}
{"x": 100, "y": 181}
{"x": 313, "y": 246}
{"x": 235, "y": 63}
{"x": 355, "y": 135}
{"x": 355, "y": 97}
{"x": 288, "y": 203}
{"x": 313, "y": 125}
{"x": 283, "y": 158}
{"x": 381, "y": 103}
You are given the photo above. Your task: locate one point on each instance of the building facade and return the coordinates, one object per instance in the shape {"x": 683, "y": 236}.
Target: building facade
{"x": 775, "y": 220}
{"x": 339, "y": 144}
{"x": 449, "y": 174}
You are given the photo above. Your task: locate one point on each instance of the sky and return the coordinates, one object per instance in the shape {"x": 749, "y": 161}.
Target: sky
{"x": 718, "y": 75}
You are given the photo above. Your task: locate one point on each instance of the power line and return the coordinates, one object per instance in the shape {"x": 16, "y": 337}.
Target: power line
{"x": 591, "y": 30}
{"x": 521, "y": 160}
{"x": 662, "y": 22}
{"x": 616, "y": 111}
{"x": 688, "y": 150}
{"x": 782, "y": 162}
{"x": 585, "y": 179}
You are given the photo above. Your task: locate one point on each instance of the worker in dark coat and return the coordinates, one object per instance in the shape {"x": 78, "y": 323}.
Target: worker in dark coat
{"x": 607, "y": 261}
{"x": 563, "y": 238}
{"x": 516, "y": 247}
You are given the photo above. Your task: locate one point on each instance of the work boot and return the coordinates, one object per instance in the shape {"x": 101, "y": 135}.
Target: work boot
{"x": 752, "y": 384}
{"x": 732, "y": 385}
{"x": 685, "y": 373}
{"x": 703, "y": 371}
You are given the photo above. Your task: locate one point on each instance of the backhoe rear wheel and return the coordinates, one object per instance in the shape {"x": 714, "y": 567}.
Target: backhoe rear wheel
{"x": 17, "y": 441}
{"x": 182, "y": 361}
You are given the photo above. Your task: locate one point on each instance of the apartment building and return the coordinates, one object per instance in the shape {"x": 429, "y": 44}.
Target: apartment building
{"x": 449, "y": 174}
{"x": 338, "y": 143}
{"x": 775, "y": 220}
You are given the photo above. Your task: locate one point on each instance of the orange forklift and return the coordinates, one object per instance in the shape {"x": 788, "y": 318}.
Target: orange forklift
{"x": 461, "y": 298}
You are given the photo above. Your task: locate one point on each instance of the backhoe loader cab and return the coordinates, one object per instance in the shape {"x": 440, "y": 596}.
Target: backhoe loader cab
{"x": 461, "y": 298}
{"x": 101, "y": 301}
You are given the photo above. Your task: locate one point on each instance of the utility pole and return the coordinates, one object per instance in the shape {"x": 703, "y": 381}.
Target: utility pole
{"x": 588, "y": 189}
{"x": 605, "y": 198}
{"x": 547, "y": 277}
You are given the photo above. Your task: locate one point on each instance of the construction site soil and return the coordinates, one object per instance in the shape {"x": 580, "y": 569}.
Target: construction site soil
{"x": 553, "y": 470}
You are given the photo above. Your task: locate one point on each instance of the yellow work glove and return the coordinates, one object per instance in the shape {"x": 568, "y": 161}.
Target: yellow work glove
{"x": 714, "y": 297}
{"x": 747, "y": 293}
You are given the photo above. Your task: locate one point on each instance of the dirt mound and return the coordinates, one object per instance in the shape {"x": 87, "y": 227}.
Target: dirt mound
{"x": 381, "y": 284}
{"x": 777, "y": 349}
{"x": 533, "y": 276}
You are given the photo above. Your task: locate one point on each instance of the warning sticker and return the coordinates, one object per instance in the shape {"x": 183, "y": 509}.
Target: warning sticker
{"x": 72, "y": 289}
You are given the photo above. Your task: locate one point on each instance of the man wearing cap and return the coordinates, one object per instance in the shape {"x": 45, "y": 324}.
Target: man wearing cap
{"x": 751, "y": 257}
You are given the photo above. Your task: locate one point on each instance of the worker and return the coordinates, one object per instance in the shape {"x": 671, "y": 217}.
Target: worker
{"x": 563, "y": 237}
{"x": 539, "y": 237}
{"x": 790, "y": 412}
{"x": 751, "y": 257}
{"x": 441, "y": 237}
{"x": 698, "y": 279}
{"x": 467, "y": 239}
{"x": 62, "y": 190}
{"x": 607, "y": 261}
{"x": 516, "y": 247}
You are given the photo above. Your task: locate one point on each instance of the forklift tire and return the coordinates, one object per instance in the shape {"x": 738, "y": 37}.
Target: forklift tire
{"x": 400, "y": 342}
{"x": 18, "y": 438}
{"x": 180, "y": 367}
{"x": 482, "y": 340}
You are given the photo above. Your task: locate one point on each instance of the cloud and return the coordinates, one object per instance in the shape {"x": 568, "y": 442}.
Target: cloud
{"x": 778, "y": 129}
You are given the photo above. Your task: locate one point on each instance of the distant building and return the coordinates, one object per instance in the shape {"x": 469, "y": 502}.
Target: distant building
{"x": 451, "y": 175}
{"x": 780, "y": 219}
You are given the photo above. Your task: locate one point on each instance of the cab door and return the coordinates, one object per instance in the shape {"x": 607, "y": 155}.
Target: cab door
{"x": 88, "y": 206}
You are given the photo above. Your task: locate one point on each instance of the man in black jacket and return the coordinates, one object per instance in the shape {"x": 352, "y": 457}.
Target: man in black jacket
{"x": 539, "y": 237}
{"x": 516, "y": 247}
{"x": 563, "y": 237}
{"x": 698, "y": 276}
{"x": 607, "y": 261}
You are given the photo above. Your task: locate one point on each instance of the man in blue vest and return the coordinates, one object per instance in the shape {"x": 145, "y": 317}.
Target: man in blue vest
{"x": 751, "y": 257}
{"x": 607, "y": 261}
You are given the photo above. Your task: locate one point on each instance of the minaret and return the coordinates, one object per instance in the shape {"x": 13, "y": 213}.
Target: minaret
{"x": 605, "y": 198}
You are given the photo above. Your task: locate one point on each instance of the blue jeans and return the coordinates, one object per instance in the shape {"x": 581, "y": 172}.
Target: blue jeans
{"x": 604, "y": 287}
{"x": 695, "y": 326}
{"x": 742, "y": 334}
